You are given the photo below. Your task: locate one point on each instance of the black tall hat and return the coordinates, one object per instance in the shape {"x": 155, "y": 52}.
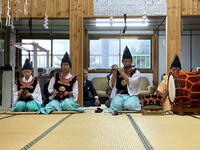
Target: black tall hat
{"x": 27, "y": 65}
{"x": 66, "y": 59}
{"x": 127, "y": 54}
{"x": 176, "y": 63}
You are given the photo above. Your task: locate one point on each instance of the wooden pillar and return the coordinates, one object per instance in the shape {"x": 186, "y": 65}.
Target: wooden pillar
{"x": 155, "y": 59}
{"x": 76, "y": 43}
{"x": 173, "y": 31}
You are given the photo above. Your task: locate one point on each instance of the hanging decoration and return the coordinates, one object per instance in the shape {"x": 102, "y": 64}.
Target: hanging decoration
{"x": 26, "y": 7}
{"x": 12, "y": 24}
{"x": 30, "y": 24}
{"x": 35, "y": 3}
{"x": 8, "y": 14}
{"x": 46, "y": 21}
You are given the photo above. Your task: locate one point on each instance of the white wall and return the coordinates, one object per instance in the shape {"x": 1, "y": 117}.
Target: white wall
{"x": 12, "y": 48}
{"x": 190, "y": 55}
{"x": 161, "y": 56}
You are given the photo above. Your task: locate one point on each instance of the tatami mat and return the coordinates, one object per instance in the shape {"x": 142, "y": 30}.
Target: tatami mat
{"x": 90, "y": 131}
{"x": 99, "y": 131}
{"x": 17, "y": 131}
{"x": 170, "y": 132}
{"x": 3, "y": 115}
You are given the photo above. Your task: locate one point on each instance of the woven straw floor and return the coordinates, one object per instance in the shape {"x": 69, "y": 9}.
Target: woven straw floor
{"x": 98, "y": 131}
{"x": 171, "y": 132}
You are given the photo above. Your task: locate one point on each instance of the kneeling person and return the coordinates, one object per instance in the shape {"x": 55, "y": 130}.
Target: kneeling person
{"x": 27, "y": 94}
{"x": 125, "y": 86}
{"x": 64, "y": 90}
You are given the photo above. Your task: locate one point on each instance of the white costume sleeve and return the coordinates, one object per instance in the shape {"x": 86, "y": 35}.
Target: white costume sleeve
{"x": 114, "y": 90}
{"x": 37, "y": 94}
{"x": 75, "y": 91}
{"x": 133, "y": 86}
{"x": 15, "y": 95}
{"x": 110, "y": 81}
{"x": 51, "y": 84}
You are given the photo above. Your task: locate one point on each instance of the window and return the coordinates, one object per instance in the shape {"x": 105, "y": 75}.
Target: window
{"x": 59, "y": 47}
{"x": 105, "y": 52}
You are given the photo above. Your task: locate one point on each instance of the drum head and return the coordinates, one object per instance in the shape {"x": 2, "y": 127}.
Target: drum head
{"x": 171, "y": 88}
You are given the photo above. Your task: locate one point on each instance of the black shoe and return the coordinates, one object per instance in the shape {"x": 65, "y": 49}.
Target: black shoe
{"x": 98, "y": 110}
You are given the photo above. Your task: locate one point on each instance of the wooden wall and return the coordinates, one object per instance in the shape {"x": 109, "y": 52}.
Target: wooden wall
{"x": 60, "y": 8}
{"x": 190, "y": 7}
{"x": 173, "y": 31}
{"x": 76, "y": 43}
{"x": 54, "y": 8}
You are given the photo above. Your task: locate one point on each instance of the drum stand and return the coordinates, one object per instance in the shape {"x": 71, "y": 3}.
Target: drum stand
{"x": 152, "y": 110}
{"x": 181, "y": 109}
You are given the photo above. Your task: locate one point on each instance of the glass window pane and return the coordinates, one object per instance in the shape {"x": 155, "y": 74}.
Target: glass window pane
{"x": 104, "y": 53}
{"x": 41, "y": 56}
{"x": 140, "y": 50}
{"x": 60, "y": 46}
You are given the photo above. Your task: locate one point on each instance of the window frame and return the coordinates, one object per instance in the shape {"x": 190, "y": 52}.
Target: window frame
{"x": 41, "y": 36}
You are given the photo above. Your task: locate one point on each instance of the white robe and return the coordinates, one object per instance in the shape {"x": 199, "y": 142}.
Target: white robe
{"x": 36, "y": 93}
{"x": 74, "y": 89}
{"x": 133, "y": 86}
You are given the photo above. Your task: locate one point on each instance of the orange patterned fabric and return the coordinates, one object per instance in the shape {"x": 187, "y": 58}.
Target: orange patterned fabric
{"x": 187, "y": 88}
{"x": 151, "y": 100}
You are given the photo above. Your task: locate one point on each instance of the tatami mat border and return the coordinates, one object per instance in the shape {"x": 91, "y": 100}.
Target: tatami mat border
{"x": 45, "y": 133}
{"x": 7, "y": 117}
{"x": 194, "y": 116}
{"x": 142, "y": 137}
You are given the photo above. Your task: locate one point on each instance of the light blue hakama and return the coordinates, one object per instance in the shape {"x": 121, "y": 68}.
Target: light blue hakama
{"x": 67, "y": 104}
{"x": 21, "y": 106}
{"x": 125, "y": 102}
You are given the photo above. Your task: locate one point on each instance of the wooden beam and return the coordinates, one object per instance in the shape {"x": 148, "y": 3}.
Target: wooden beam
{"x": 173, "y": 31}
{"x": 76, "y": 43}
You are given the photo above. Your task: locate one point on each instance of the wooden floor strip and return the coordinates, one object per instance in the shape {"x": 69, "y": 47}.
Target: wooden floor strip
{"x": 35, "y": 113}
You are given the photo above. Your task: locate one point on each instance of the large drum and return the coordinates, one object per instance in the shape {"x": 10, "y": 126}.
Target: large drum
{"x": 151, "y": 102}
{"x": 184, "y": 88}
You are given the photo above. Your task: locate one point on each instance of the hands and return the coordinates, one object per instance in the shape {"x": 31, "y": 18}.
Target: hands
{"x": 97, "y": 102}
{"x": 20, "y": 92}
{"x": 24, "y": 93}
{"x": 54, "y": 93}
{"x": 63, "y": 94}
{"x": 132, "y": 69}
{"x": 121, "y": 70}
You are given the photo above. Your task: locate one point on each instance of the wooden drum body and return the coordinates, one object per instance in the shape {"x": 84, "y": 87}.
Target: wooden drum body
{"x": 184, "y": 88}
{"x": 151, "y": 102}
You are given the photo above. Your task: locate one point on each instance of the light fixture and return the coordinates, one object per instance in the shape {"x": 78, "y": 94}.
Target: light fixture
{"x": 119, "y": 22}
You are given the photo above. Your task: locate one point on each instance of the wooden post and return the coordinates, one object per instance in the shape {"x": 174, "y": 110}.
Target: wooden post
{"x": 173, "y": 31}
{"x": 155, "y": 59}
{"x": 76, "y": 43}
